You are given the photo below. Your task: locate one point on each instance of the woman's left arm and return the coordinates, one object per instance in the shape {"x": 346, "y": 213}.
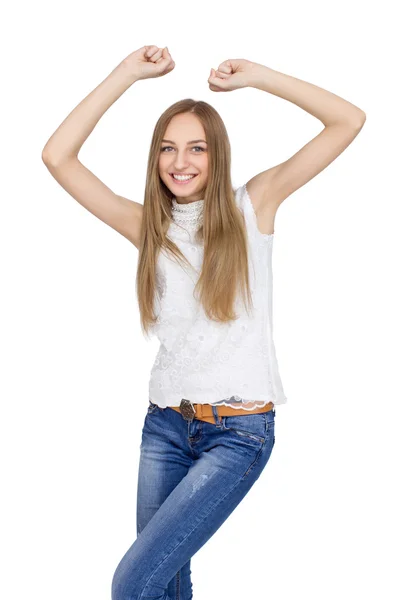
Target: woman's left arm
{"x": 343, "y": 121}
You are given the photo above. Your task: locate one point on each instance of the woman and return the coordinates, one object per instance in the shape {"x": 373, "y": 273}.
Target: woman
{"x": 210, "y": 424}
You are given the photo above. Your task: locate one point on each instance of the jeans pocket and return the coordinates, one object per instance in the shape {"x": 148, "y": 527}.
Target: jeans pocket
{"x": 253, "y": 426}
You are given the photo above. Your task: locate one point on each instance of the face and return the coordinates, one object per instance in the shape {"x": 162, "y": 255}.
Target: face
{"x": 182, "y": 153}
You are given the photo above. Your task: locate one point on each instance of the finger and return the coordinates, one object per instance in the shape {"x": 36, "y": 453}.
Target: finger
{"x": 217, "y": 78}
{"x": 224, "y": 69}
{"x": 157, "y": 56}
{"x": 222, "y": 75}
{"x": 168, "y": 56}
{"x": 150, "y": 51}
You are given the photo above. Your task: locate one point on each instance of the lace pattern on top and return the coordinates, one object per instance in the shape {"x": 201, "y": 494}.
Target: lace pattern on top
{"x": 200, "y": 359}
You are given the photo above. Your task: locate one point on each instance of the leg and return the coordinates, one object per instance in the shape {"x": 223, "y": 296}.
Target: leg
{"x": 228, "y": 457}
{"x": 161, "y": 467}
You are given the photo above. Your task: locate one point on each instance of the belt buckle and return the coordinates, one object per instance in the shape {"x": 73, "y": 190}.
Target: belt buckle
{"x": 187, "y": 409}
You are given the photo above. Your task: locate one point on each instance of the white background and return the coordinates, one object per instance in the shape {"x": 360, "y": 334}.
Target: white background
{"x": 322, "y": 521}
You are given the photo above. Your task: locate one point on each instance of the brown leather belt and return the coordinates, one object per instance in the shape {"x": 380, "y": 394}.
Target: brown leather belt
{"x": 204, "y": 412}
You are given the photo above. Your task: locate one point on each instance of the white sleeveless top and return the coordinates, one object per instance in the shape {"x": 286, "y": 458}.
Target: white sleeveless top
{"x": 201, "y": 360}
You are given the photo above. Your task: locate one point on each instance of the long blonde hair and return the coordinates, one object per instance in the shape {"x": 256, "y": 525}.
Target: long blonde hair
{"x": 223, "y": 231}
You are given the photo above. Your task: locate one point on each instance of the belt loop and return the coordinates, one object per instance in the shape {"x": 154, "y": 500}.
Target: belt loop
{"x": 217, "y": 416}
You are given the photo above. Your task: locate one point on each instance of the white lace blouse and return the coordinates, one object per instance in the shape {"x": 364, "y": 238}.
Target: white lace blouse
{"x": 201, "y": 360}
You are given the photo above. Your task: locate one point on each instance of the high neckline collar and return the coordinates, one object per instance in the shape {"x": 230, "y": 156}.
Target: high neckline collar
{"x": 189, "y": 214}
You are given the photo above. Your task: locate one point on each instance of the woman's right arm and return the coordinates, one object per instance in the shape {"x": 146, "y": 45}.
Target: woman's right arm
{"x": 60, "y": 154}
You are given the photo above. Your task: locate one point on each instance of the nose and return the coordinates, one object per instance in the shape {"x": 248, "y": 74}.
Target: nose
{"x": 181, "y": 163}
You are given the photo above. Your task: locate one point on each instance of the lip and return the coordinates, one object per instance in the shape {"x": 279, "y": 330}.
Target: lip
{"x": 183, "y": 182}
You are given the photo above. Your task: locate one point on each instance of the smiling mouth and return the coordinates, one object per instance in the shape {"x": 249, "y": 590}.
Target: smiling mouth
{"x": 184, "y": 181}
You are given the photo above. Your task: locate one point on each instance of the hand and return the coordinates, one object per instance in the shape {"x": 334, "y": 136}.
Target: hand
{"x": 149, "y": 61}
{"x": 231, "y": 75}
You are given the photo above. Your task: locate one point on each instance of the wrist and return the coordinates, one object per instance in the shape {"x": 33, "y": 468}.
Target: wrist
{"x": 125, "y": 73}
{"x": 258, "y": 75}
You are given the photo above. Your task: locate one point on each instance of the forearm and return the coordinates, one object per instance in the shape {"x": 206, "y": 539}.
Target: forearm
{"x": 324, "y": 105}
{"x": 68, "y": 139}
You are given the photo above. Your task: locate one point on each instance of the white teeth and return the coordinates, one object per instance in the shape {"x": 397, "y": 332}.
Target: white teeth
{"x": 182, "y": 177}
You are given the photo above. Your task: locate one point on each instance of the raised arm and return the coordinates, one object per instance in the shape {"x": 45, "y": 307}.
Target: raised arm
{"x": 342, "y": 120}
{"x": 60, "y": 154}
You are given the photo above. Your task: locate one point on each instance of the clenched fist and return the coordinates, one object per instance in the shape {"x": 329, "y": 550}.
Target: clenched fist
{"x": 149, "y": 61}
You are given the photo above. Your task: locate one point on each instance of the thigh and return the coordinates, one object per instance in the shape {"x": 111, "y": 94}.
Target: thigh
{"x": 163, "y": 464}
{"x": 213, "y": 486}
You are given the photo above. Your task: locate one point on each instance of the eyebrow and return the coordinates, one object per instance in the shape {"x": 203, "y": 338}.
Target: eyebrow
{"x": 192, "y": 142}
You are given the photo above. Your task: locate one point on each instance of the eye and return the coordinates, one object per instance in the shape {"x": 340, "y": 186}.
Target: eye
{"x": 167, "y": 147}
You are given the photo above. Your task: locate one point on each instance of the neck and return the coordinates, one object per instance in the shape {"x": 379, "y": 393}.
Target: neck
{"x": 188, "y": 214}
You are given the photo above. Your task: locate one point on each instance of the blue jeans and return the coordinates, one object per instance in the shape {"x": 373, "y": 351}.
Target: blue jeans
{"x": 192, "y": 475}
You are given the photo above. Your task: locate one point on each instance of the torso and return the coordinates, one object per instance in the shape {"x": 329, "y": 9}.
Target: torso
{"x": 175, "y": 312}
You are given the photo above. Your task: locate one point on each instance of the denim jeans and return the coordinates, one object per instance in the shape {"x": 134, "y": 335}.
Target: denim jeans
{"x": 192, "y": 475}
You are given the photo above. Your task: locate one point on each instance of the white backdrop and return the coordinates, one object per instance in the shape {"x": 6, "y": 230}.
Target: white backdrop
{"x": 322, "y": 520}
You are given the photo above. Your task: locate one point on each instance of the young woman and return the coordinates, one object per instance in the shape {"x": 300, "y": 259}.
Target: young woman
{"x": 204, "y": 286}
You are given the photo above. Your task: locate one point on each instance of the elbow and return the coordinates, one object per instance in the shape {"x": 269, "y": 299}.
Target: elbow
{"x": 361, "y": 119}
{"x": 50, "y": 159}
{"x": 46, "y": 158}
